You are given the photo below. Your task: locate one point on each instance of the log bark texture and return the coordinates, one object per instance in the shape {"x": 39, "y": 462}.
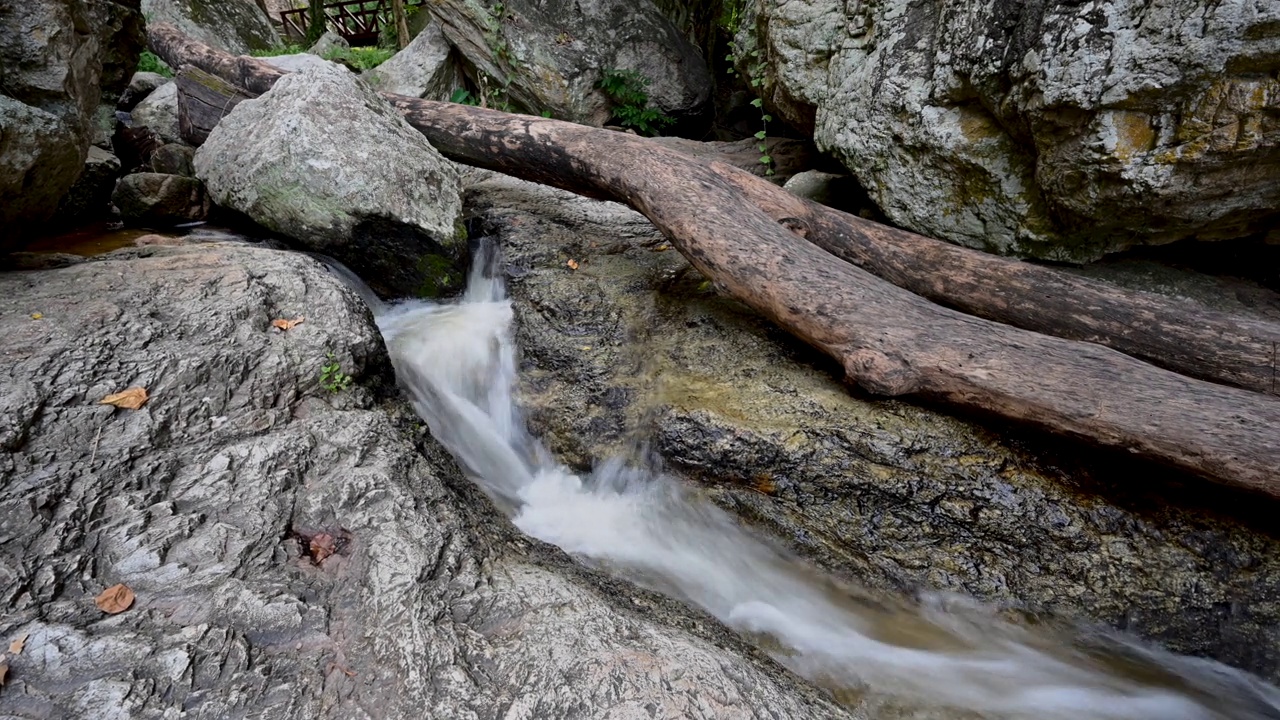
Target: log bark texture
{"x": 203, "y": 100}
{"x": 889, "y": 340}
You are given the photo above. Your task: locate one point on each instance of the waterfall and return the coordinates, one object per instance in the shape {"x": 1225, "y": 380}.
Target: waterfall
{"x": 458, "y": 363}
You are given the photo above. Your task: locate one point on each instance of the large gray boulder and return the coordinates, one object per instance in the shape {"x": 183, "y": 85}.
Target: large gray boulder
{"x": 150, "y": 198}
{"x": 208, "y": 501}
{"x": 425, "y": 68}
{"x": 58, "y": 59}
{"x": 550, "y": 54}
{"x": 1058, "y": 130}
{"x": 237, "y": 26}
{"x": 159, "y": 111}
{"x": 635, "y": 345}
{"x": 324, "y": 160}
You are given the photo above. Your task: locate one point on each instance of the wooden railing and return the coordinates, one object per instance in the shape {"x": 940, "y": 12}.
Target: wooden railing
{"x": 360, "y": 22}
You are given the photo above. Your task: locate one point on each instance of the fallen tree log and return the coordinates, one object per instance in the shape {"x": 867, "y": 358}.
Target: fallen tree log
{"x": 889, "y": 341}
{"x": 203, "y": 100}
{"x": 1177, "y": 334}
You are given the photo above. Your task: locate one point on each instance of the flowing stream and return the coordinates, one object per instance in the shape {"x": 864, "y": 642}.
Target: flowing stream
{"x": 458, "y": 362}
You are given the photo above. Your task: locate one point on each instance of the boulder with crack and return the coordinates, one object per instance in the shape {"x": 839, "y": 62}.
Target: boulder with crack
{"x": 551, "y": 55}
{"x": 1058, "y": 130}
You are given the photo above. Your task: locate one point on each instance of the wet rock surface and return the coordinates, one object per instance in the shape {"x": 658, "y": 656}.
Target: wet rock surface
{"x": 635, "y": 347}
{"x": 294, "y": 552}
{"x": 322, "y": 159}
{"x": 1059, "y": 130}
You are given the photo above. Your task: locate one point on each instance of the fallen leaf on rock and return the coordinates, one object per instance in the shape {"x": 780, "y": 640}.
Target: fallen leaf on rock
{"x": 36, "y": 316}
{"x": 282, "y": 324}
{"x": 573, "y": 264}
{"x": 4, "y": 670}
{"x": 322, "y": 546}
{"x": 131, "y": 399}
{"x": 115, "y": 599}
{"x": 16, "y": 646}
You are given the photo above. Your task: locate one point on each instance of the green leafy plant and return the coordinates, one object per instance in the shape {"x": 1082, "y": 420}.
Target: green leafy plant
{"x": 360, "y": 58}
{"x": 150, "y": 62}
{"x": 756, "y": 69}
{"x": 626, "y": 90}
{"x": 463, "y": 96}
{"x": 278, "y": 50}
{"x": 331, "y": 376}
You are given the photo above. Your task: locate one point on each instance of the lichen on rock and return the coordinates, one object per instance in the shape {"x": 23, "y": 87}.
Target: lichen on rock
{"x": 322, "y": 159}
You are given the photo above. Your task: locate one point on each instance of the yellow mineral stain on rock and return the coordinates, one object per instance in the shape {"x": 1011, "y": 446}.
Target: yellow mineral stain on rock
{"x": 1134, "y": 133}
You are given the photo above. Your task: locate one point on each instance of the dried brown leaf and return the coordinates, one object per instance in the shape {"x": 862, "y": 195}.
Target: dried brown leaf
{"x": 282, "y": 325}
{"x": 573, "y": 264}
{"x": 322, "y": 546}
{"x": 4, "y": 670}
{"x": 16, "y": 646}
{"x": 131, "y": 399}
{"x": 115, "y": 599}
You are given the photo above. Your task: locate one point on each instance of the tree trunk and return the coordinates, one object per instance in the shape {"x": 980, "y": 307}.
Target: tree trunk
{"x": 889, "y": 340}
{"x": 317, "y": 21}
{"x": 402, "y": 23}
{"x": 203, "y": 100}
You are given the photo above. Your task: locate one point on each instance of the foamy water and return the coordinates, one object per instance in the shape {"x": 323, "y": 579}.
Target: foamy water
{"x": 458, "y": 362}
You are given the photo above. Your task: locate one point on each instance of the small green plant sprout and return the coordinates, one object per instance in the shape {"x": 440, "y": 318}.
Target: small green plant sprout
{"x": 626, "y": 90}
{"x": 331, "y": 376}
{"x": 150, "y": 62}
{"x": 757, "y": 80}
{"x": 463, "y": 96}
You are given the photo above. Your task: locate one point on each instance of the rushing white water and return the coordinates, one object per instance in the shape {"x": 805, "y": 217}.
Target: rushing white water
{"x": 458, "y": 362}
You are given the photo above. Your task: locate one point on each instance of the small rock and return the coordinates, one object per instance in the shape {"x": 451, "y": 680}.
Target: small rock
{"x": 159, "y": 111}
{"x": 174, "y": 159}
{"x": 328, "y": 43}
{"x": 142, "y": 85}
{"x": 155, "y": 197}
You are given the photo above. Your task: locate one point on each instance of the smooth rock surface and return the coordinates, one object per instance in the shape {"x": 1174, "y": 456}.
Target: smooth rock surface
{"x": 635, "y": 347}
{"x": 174, "y": 159}
{"x": 159, "y": 111}
{"x": 1059, "y": 130}
{"x": 554, "y": 52}
{"x": 141, "y": 85}
{"x": 425, "y": 68}
{"x": 329, "y": 42}
{"x": 237, "y": 26}
{"x": 58, "y": 58}
{"x": 205, "y": 503}
{"x": 298, "y": 61}
{"x": 157, "y": 198}
{"x": 322, "y": 159}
